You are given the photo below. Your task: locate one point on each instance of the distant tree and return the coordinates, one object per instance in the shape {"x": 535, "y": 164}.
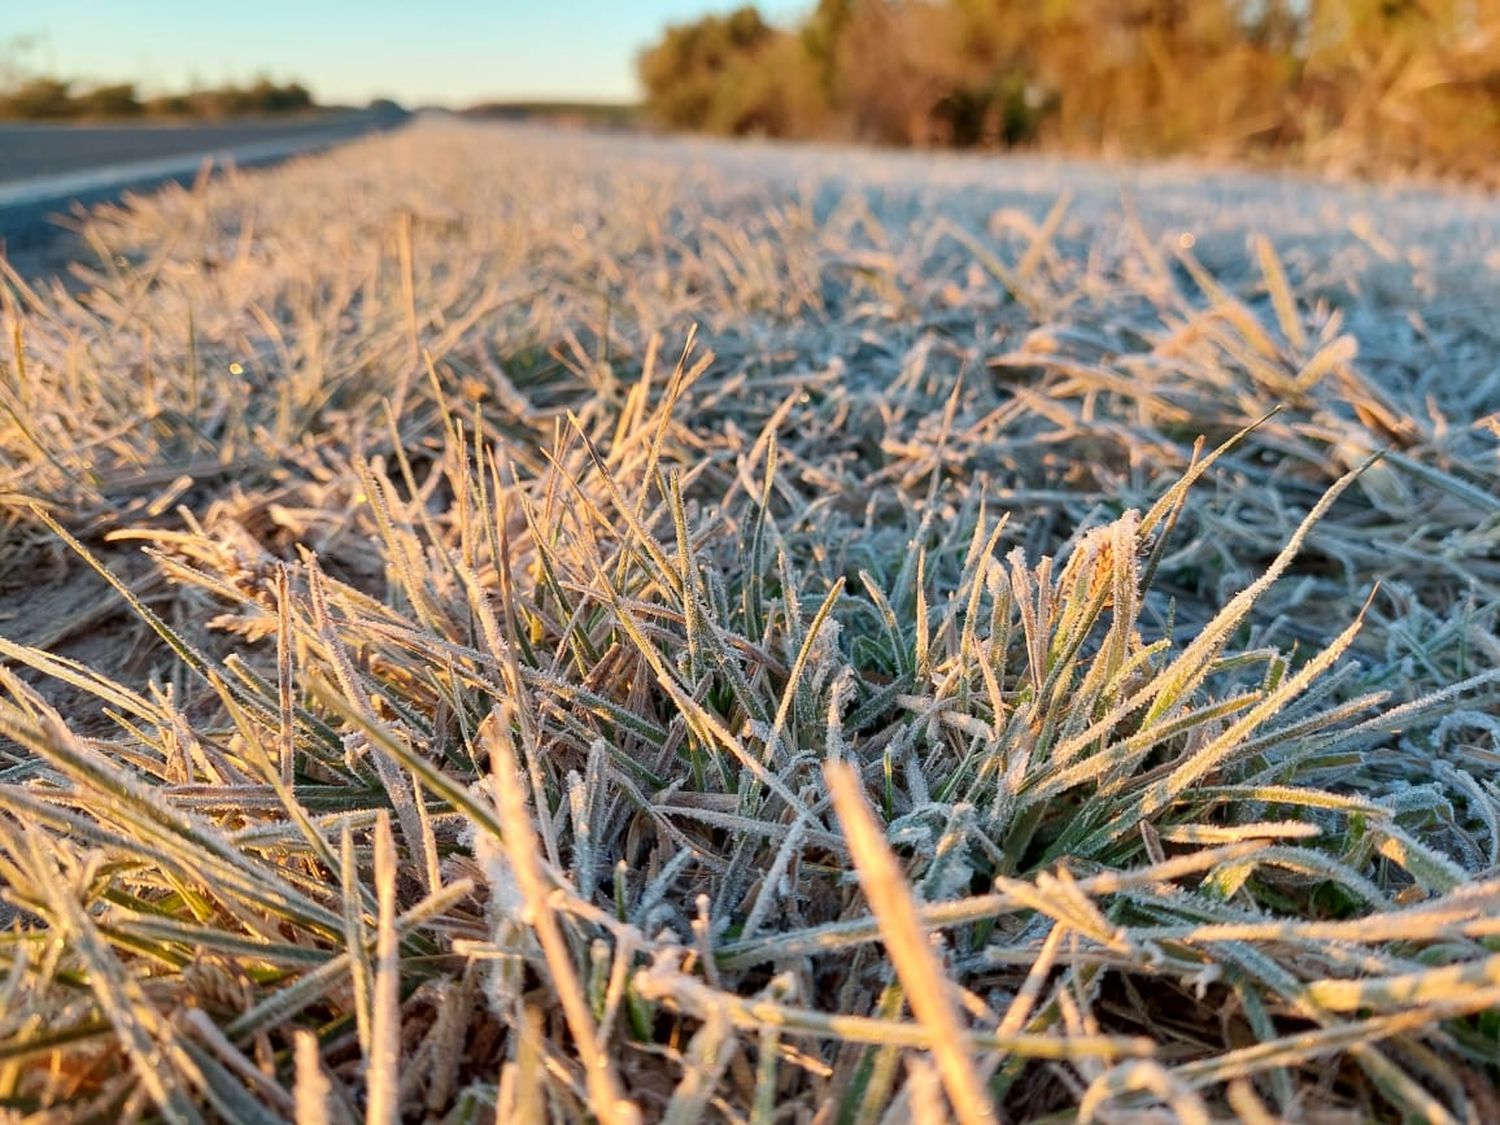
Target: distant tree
{"x": 41, "y": 99}
{"x": 711, "y": 74}
{"x": 261, "y": 97}
{"x": 53, "y": 99}
{"x": 821, "y": 37}
{"x": 265, "y": 96}
{"x": 170, "y": 105}
{"x": 1403, "y": 82}
{"x": 110, "y": 101}
{"x": 1368, "y": 84}
{"x": 769, "y": 91}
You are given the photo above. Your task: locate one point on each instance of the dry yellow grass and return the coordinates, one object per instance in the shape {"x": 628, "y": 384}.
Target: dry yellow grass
{"x": 436, "y": 575}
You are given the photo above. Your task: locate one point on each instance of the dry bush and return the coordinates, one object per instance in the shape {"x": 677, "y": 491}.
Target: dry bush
{"x": 1358, "y": 86}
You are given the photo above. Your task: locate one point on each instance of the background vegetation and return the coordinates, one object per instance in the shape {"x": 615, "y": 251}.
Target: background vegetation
{"x": 1358, "y": 85}
{"x": 596, "y": 115}
{"x": 55, "y": 99}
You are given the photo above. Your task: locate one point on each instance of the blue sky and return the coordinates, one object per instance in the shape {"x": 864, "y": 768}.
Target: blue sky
{"x": 420, "y": 51}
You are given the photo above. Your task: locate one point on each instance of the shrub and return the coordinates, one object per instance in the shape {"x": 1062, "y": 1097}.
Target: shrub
{"x": 40, "y": 98}
{"x": 693, "y": 75}
{"x": 52, "y": 99}
{"x": 1364, "y": 84}
{"x": 110, "y": 101}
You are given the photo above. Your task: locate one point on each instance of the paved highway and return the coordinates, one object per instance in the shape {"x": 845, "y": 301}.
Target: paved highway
{"x": 30, "y": 150}
{"x": 44, "y": 169}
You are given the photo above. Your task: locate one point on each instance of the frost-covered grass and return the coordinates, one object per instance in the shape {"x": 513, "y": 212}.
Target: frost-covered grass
{"x": 508, "y": 624}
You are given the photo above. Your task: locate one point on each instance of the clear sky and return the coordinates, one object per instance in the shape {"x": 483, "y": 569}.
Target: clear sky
{"x": 419, "y": 51}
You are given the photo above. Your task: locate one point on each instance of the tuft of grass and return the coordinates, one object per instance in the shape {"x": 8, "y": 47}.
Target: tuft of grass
{"x": 1027, "y": 672}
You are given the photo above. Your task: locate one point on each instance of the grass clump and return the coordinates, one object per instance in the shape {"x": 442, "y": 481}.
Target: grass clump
{"x": 477, "y": 699}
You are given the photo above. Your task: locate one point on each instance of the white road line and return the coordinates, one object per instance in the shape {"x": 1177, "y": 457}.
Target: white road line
{"x": 44, "y": 189}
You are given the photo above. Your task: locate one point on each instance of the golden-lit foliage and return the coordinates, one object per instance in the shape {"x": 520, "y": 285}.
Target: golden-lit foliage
{"x": 1361, "y": 85}
{"x": 55, "y": 99}
{"x": 730, "y": 74}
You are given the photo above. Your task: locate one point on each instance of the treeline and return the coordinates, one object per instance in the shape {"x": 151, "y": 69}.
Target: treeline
{"x": 1364, "y": 85}
{"x": 52, "y": 99}
{"x": 594, "y": 115}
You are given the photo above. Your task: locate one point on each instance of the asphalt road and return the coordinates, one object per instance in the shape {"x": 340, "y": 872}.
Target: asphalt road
{"x": 29, "y": 150}
{"x": 46, "y": 169}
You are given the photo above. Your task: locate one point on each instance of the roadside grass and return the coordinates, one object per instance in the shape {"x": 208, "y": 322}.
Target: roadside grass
{"x": 544, "y": 629}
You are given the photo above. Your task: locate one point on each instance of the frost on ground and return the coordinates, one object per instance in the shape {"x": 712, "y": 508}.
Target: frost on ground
{"x": 499, "y": 623}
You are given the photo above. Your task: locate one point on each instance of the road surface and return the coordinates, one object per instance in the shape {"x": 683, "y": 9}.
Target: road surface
{"x": 45, "y": 169}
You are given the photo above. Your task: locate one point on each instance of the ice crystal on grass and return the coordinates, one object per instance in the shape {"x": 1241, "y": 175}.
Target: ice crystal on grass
{"x": 659, "y": 629}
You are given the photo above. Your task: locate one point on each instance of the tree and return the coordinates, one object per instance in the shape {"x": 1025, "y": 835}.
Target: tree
{"x": 41, "y": 98}
{"x": 110, "y": 101}
{"x": 1404, "y": 82}
{"x": 729, "y": 74}
{"x": 1369, "y": 84}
